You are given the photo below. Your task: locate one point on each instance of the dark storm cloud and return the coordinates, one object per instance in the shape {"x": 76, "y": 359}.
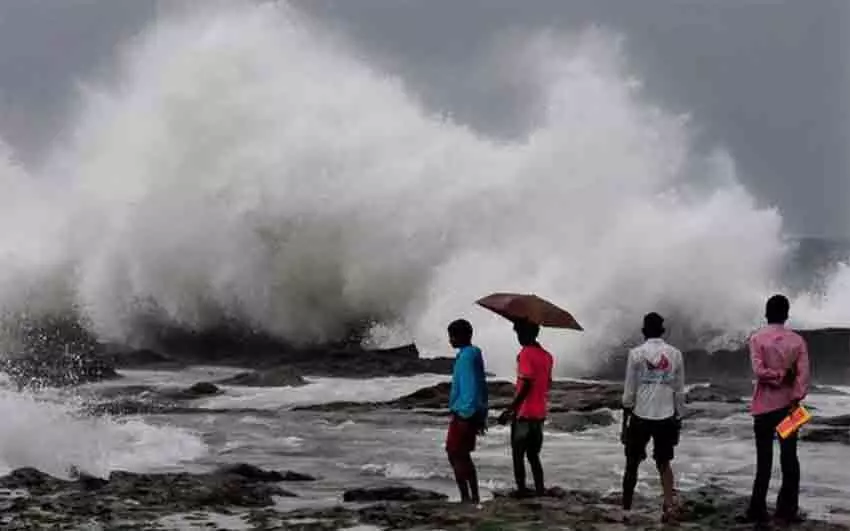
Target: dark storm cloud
{"x": 763, "y": 78}
{"x": 46, "y": 47}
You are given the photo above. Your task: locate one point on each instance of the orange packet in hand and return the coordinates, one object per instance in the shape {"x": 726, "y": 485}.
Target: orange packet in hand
{"x": 793, "y": 422}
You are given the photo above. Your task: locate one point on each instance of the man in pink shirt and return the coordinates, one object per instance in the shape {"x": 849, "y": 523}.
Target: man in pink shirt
{"x": 780, "y": 361}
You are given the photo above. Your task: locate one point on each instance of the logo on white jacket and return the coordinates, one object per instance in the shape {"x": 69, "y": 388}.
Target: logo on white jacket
{"x": 659, "y": 371}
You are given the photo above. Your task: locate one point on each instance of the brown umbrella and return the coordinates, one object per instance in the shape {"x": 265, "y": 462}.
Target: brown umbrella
{"x": 516, "y": 306}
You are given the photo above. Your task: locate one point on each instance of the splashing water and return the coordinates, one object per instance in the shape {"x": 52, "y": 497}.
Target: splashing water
{"x": 245, "y": 165}
{"x": 51, "y": 436}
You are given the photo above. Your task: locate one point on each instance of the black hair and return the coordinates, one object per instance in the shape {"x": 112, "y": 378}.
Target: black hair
{"x": 526, "y": 331}
{"x": 653, "y": 325}
{"x": 777, "y": 308}
{"x": 460, "y": 328}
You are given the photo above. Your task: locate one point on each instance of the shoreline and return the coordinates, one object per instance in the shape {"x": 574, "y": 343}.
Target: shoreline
{"x": 245, "y": 497}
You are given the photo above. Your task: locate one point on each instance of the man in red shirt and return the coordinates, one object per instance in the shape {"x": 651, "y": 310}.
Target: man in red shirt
{"x": 529, "y": 408}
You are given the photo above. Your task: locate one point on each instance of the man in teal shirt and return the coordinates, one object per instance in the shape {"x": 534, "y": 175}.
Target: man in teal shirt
{"x": 468, "y": 409}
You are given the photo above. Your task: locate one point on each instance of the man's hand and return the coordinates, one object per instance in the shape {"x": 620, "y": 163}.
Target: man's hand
{"x": 624, "y": 430}
{"x": 794, "y": 405}
{"x": 789, "y": 376}
{"x": 480, "y": 420}
{"x": 506, "y": 416}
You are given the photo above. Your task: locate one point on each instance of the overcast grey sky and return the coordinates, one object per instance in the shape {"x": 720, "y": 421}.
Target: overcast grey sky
{"x": 764, "y": 78}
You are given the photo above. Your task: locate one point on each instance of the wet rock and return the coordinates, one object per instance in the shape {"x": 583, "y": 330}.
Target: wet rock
{"x": 391, "y": 493}
{"x": 192, "y": 491}
{"x": 87, "y": 481}
{"x": 578, "y": 396}
{"x": 123, "y": 498}
{"x": 718, "y": 393}
{"x": 117, "y": 392}
{"x": 714, "y": 410}
{"x": 839, "y": 421}
{"x": 31, "y": 479}
{"x": 142, "y": 358}
{"x": 434, "y": 397}
{"x": 291, "y": 476}
{"x": 552, "y": 492}
{"x": 203, "y": 389}
{"x": 258, "y": 474}
{"x": 142, "y": 399}
{"x": 276, "y": 377}
{"x": 198, "y": 390}
{"x": 362, "y": 363}
{"x": 709, "y": 508}
{"x": 237, "y": 346}
{"x": 827, "y": 435}
{"x": 579, "y": 421}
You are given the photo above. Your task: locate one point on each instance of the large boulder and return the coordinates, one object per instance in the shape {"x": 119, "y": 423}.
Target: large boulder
{"x": 258, "y": 474}
{"x": 195, "y": 391}
{"x": 718, "y": 393}
{"x": 284, "y": 376}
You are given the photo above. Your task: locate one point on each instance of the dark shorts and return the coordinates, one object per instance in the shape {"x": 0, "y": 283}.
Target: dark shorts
{"x": 664, "y": 435}
{"x": 527, "y": 434}
{"x": 461, "y": 436}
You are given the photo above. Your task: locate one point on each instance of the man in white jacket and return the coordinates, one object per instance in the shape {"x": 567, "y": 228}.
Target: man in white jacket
{"x": 653, "y": 404}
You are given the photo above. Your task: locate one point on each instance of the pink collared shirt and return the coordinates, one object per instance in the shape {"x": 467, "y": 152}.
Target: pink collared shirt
{"x": 774, "y": 349}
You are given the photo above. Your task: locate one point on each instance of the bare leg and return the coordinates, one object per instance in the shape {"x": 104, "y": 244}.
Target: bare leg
{"x": 461, "y": 476}
{"x": 473, "y": 483}
{"x": 665, "y": 470}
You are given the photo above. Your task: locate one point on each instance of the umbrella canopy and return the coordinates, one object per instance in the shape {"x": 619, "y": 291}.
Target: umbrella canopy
{"x": 516, "y": 306}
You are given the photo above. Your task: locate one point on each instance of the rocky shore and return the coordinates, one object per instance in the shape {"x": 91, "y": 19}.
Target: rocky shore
{"x": 31, "y": 500}
{"x": 252, "y": 497}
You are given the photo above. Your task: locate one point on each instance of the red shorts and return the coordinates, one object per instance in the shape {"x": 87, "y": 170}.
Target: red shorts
{"x": 461, "y": 436}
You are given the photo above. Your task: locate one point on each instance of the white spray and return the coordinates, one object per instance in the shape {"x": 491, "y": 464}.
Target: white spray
{"x": 245, "y": 165}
